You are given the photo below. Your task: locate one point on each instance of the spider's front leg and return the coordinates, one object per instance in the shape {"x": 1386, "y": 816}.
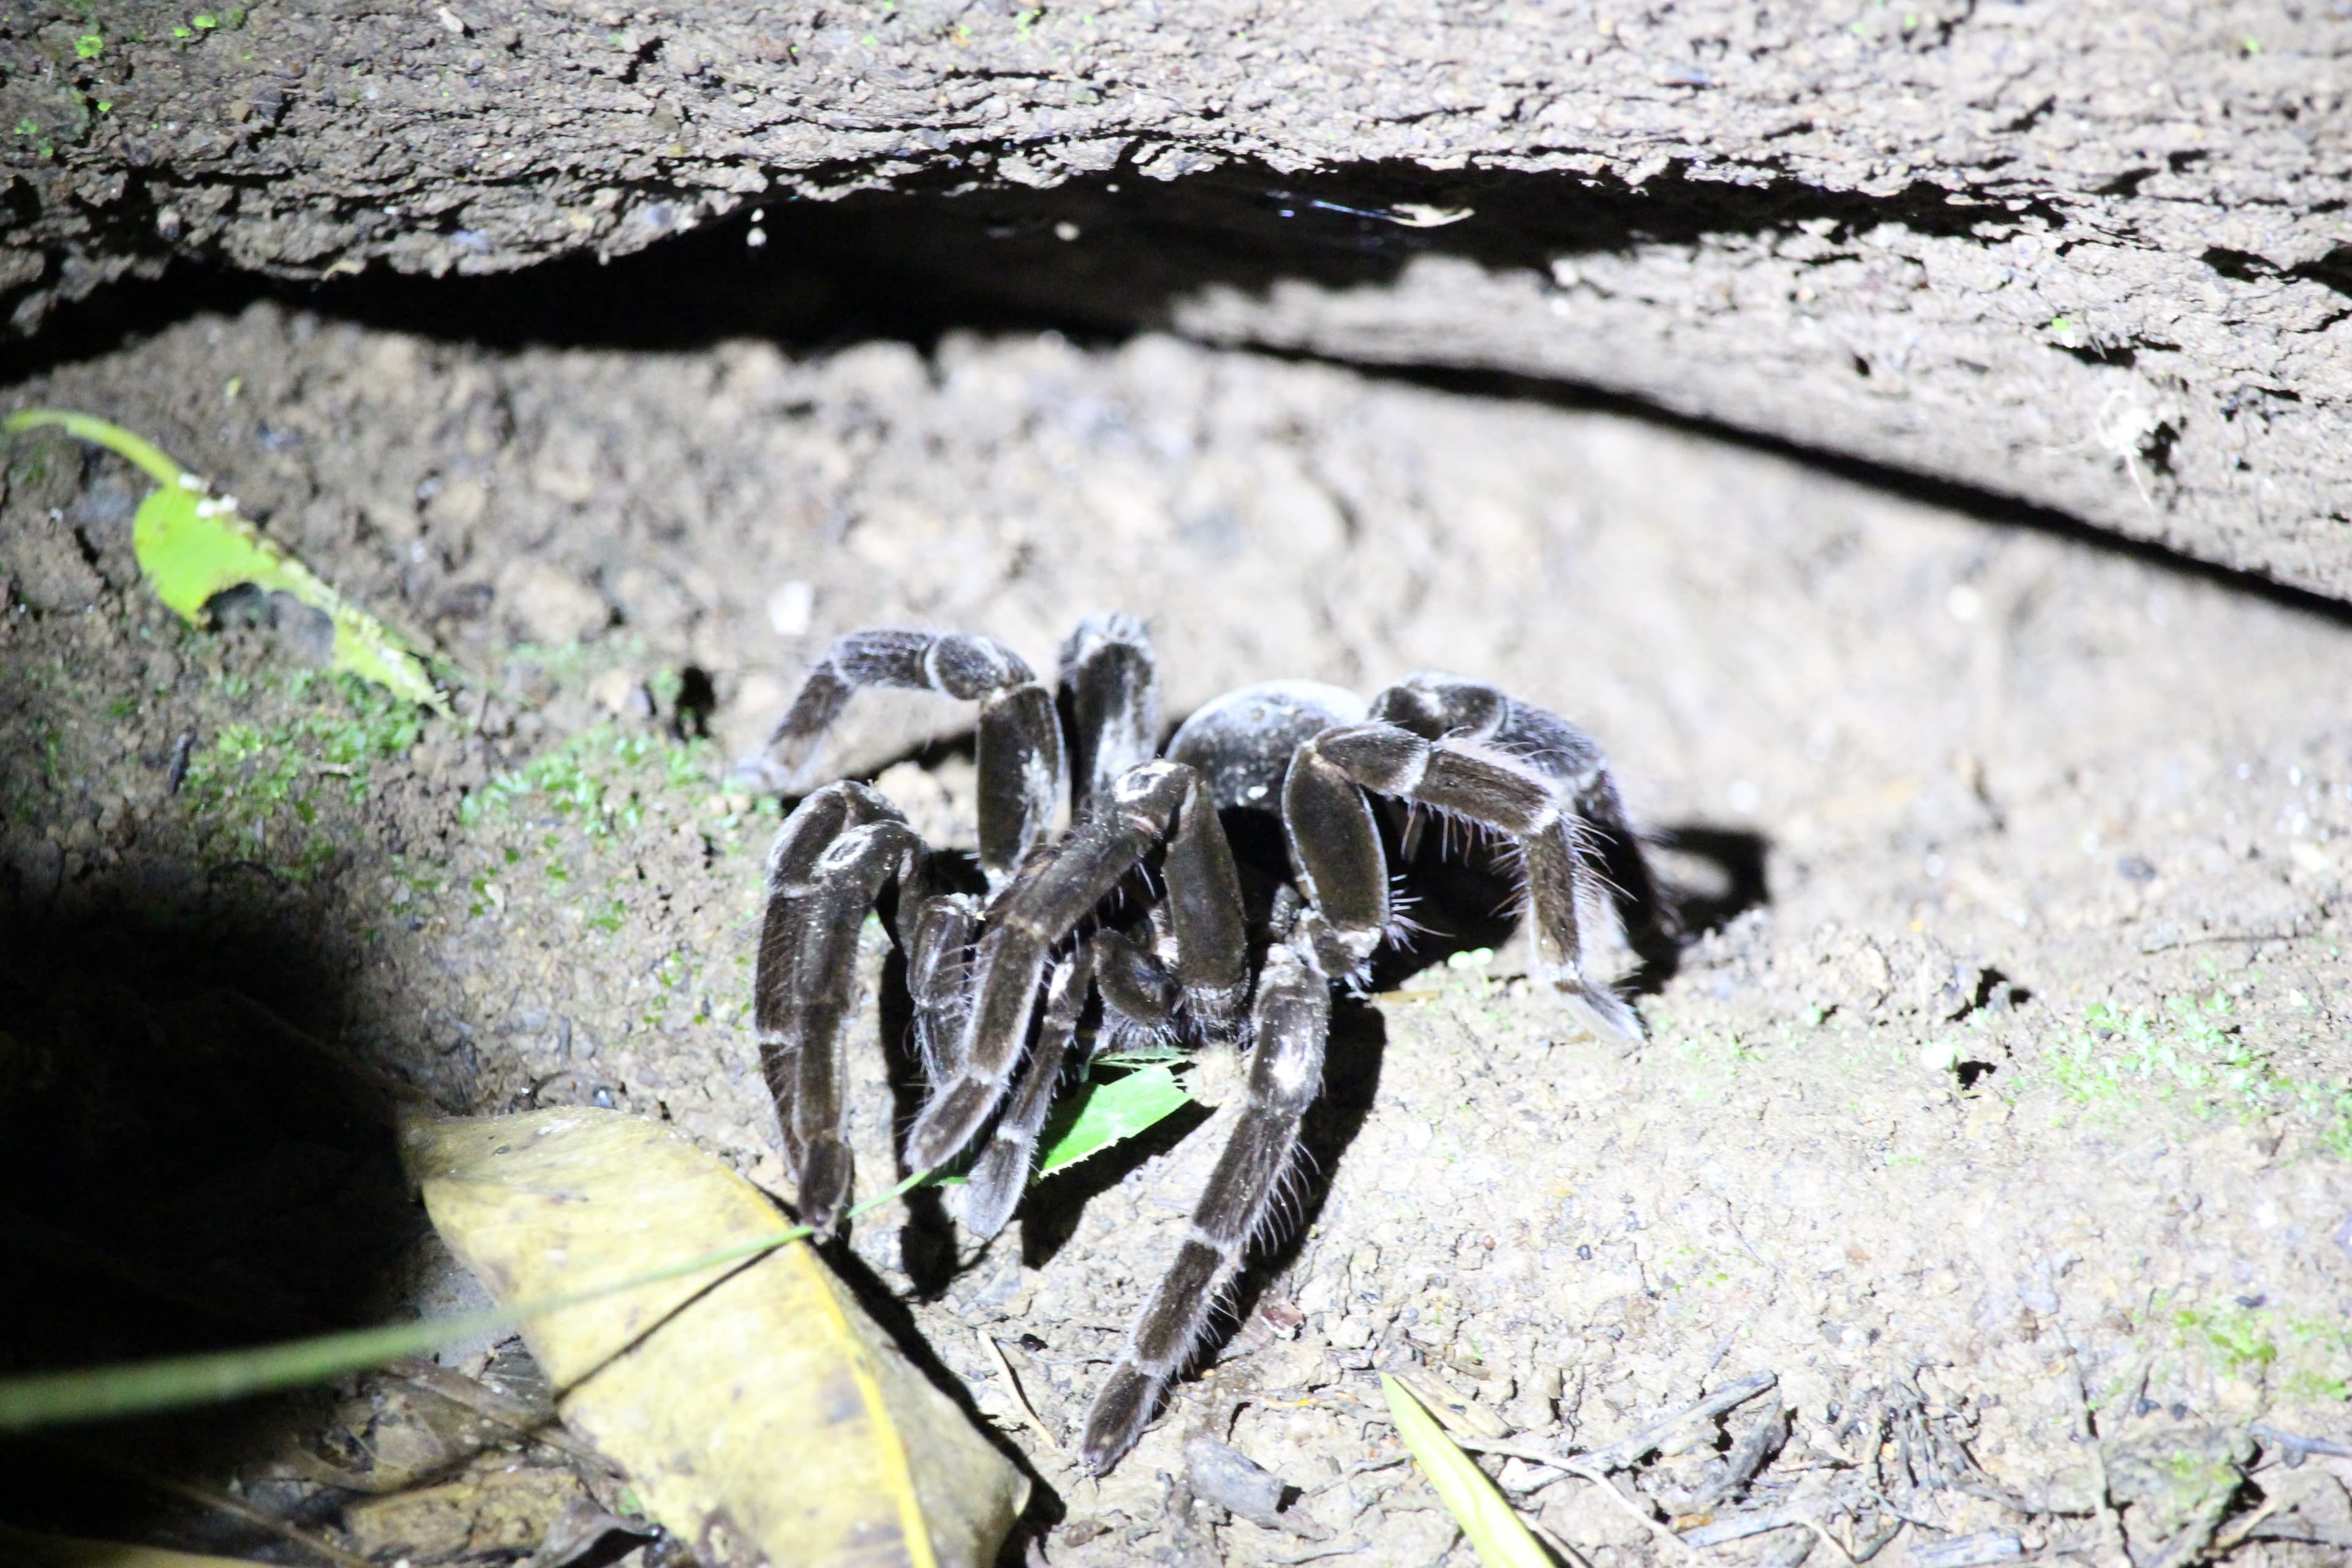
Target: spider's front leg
{"x": 1140, "y": 997}
{"x": 1022, "y": 775}
{"x": 1002, "y": 1173}
{"x": 1291, "y": 1025}
{"x": 1111, "y": 686}
{"x": 1337, "y": 849}
{"x": 1058, "y": 891}
{"x": 1437, "y": 706}
{"x": 827, "y": 866}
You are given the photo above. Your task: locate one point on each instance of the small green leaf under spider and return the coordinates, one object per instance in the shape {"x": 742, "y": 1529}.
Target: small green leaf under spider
{"x": 192, "y": 548}
{"x": 1109, "y": 1111}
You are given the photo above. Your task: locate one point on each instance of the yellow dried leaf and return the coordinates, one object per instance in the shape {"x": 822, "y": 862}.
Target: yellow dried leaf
{"x": 761, "y": 1414}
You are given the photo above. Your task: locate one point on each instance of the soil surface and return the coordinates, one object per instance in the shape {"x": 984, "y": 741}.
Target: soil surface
{"x": 2000, "y": 1111}
{"x": 2093, "y": 256}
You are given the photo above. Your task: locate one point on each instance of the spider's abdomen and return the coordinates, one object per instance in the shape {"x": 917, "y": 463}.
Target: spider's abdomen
{"x": 1242, "y": 742}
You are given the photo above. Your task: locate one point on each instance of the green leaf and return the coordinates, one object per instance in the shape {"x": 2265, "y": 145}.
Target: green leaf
{"x": 192, "y": 548}
{"x": 1104, "y": 1113}
{"x": 1502, "y": 1542}
{"x": 89, "y": 46}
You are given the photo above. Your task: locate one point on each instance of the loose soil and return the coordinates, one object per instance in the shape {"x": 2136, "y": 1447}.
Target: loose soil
{"x": 2004, "y": 1099}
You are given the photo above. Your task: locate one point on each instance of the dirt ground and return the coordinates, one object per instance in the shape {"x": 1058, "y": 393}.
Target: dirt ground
{"x": 2003, "y": 1113}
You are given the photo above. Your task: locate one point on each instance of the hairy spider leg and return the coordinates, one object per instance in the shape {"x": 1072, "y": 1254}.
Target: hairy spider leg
{"x": 1109, "y": 693}
{"x": 1140, "y": 997}
{"x": 937, "y": 933}
{"x": 1291, "y": 1024}
{"x": 1437, "y": 706}
{"x": 826, "y": 866}
{"x": 1159, "y": 802}
{"x": 1022, "y": 777}
{"x": 1337, "y": 850}
{"x": 1002, "y": 1173}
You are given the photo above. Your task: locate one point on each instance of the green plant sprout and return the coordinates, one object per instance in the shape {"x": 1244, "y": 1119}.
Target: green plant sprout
{"x": 2194, "y": 1051}
{"x": 252, "y": 778}
{"x": 595, "y": 778}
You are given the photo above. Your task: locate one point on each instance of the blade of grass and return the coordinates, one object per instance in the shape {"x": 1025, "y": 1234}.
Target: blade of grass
{"x": 1502, "y": 1540}
{"x": 176, "y": 1383}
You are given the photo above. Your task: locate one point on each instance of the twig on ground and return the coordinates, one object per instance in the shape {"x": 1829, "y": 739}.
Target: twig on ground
{"x": 1756, "y": 1448}
{"x": 1886, "y": 1540}
{"x": 1616, "y": 1494}
{"x": 219, "y": 1502}
{"x": 516, "y": 1416}
{"x": 1740, "y": 1526}
{"x": 1020, "y": 1400}
{"x": 1629, "y": 1450}
{"x": 2241, "y": 1529}
{"x": 1823, "y": 1531}
{"x": 1977, "y": 1551}
{"x": 2210, "y": 938}
{"x": 2297, "y": 1447}
{"x": 2109, "y": 1515}
{"x": 1342, "y": 1548}
{"x": 1565, "y": 1552}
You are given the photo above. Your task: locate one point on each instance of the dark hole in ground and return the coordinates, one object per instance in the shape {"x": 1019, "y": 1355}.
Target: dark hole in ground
{"x": 698, "y": 698}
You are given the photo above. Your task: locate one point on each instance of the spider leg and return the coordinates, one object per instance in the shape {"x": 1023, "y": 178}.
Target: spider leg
{"x": 827, "y": 865}
{"x": 1109, "y": 689}
{"x": 1291, "y": 1023}
{"x": 1436, "y": 706}
{"x": 1338, "y": 853}
{"x": 1022, "y": 781}
{"x": 1058, "y": 891}
{"x": 1002, "y": 1173}
{"x": 937, "y": 935}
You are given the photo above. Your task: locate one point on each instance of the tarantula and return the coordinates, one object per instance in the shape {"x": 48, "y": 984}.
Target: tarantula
{"x": 1141, "y": 903}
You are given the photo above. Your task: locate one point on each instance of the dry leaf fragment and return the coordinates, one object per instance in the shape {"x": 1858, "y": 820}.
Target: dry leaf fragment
{"x": 761, "y": 1414}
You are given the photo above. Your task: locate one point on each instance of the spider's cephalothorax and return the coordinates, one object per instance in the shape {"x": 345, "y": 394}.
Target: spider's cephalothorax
{"x": 1074, "y": 914}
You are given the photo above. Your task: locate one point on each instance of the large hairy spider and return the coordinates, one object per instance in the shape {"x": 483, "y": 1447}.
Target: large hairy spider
{"x": 1142, "y": 904}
